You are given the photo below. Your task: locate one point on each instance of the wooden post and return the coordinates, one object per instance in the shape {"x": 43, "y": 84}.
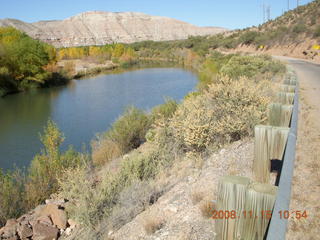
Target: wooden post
{"x": 231, "y": 200}
{"x": 279, "y": 115}
{"x": 269, "y": 144}
{"x": 258, "y": 209}
{"x": 285, "y": 98}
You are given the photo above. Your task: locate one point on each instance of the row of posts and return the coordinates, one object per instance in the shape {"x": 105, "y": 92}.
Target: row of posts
{"x": 244, "y": 207}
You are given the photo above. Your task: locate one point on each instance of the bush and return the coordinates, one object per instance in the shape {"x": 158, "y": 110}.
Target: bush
{"x": 164, "y": 111}
{"x": 226, "y": 112}
{"x": 11, "y": 195}
{"x": 249, "y": 66}
{"x": 132, "y": 201}
{"x": 299, "y": 28}
{"x": 48, "y": 166}
{"x": 317, "y": 32}
{"x": 248, "y": 37}
{"x": 126, "y": 133}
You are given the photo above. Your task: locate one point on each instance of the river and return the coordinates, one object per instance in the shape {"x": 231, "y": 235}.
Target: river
{"x": 82, "y": 108}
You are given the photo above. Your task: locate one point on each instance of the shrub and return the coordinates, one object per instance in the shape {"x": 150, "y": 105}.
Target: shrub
{"x": 248, "y": 37}
{"x": 130, "y": 129}
{"x": 299, "y": 28}
{"x": 11, "y": 195}
{"x": 249, "y": 66}
{"x": 196, "y": 197}
{"x": 164, "y": 111}
{"x": 104, "y": 150}
{"x": 126, "y": 133}
{"x": 226, "y": 112}
{"x": 47, "y": 166}
{"x": 207, "y": 207}
{"x": 132, "y": 201}
{"x": 153, "y": 224}
{"x": 317, "y": 32}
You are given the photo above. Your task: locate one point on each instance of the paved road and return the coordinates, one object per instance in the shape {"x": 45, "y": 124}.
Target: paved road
{"x": 306, "y": 180}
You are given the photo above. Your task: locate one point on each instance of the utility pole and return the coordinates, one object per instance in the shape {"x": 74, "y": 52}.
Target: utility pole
{"x": 288, "y": 1}
{"x": 264, "y": 12}
{"x": 298, "y": 3}
{"x": 269, "y": 12}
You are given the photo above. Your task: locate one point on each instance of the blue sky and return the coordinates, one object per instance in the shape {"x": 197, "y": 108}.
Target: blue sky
{"x": 231, "y": 14}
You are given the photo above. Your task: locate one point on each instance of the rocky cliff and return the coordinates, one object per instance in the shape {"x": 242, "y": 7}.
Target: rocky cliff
{"x": 98, "y": 28}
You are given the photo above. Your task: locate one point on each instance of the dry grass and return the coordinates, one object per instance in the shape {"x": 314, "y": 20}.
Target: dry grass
{"x": 104, "y": 150}
{"x": 206, "y": 208}
{"x": 196, "y": 197}
{"x": 153, "y": 224}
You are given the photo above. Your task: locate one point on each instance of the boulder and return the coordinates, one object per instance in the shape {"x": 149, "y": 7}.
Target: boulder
{"x": 58, "y": 202}
{"x": 45, "y": 220}
{"x": 72, "y": 223}
{"x": 10, "y": 229}
{"x": 24, "y": 231}
{"x": 44, "y": 232}
{"x": 58, "y": 216}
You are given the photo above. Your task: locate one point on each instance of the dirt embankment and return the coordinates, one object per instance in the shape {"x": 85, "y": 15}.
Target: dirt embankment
{"x": 302, "y": 50}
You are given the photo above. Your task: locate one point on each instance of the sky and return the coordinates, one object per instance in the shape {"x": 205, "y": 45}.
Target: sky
{"x": 231, "y": 14}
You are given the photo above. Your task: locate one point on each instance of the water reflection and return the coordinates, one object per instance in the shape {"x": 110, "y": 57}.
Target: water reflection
{"x": 82, "y": 108}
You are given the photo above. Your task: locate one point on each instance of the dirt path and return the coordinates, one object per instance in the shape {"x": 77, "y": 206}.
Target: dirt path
{"x": 306, "y": 180}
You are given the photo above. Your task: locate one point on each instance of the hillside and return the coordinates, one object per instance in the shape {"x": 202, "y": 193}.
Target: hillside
{"x": 99, "y": 28}
{"x": 295, "y": 33}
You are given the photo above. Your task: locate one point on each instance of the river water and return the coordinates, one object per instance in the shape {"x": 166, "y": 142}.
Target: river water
{"x": 82, "y": 109}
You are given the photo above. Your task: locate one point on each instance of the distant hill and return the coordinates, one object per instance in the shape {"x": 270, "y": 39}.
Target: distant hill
{"x": 99, "y": 28}
{"x": 296, "y": 33}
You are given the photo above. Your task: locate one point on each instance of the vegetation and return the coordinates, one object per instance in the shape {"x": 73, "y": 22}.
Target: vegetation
{"x": 226, "y": 111}
{"x": 25, "y": 63}
{"x": 21, "y": 191}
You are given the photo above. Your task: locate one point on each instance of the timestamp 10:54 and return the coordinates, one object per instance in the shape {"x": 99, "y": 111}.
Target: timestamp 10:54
{"x": 267, "y": 214}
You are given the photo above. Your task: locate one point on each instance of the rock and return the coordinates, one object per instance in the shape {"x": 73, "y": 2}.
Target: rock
{"x": 11, "y": 238}
{"x": 24, "y": 231}
{"x": 58, "y": 216}
{"x": 38, "y": 210}
{"x": 45, "y": 220}
{"x": 10, "y": 229}
{"x": 72, "y": 223}
{"x": 58, "y": 202}
{"x": 68, "y": 231}
{"x": 44, "y": 232}
{"x": 48, "y": 209}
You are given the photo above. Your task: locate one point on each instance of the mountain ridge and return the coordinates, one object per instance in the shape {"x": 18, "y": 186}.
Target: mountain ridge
{"x": 99, "y": 28}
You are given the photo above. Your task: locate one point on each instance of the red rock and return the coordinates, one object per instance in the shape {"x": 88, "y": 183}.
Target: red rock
{"x": 45, "y": 220}
{"x": 10, "y": 229}
{"x": 59, "y": 218}
{"x": 24, "y": 231}
{"x": 44, "y": 232}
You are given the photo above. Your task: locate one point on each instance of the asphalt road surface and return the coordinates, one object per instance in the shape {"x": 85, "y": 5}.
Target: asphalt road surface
{"x": 306, "y": 180}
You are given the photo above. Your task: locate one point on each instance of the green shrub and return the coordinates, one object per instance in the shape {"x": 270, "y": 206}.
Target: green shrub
{"x": 299, "y": 28}
{"x": 164, "y": 111}
{"x": 130, "y": 129}
{"x": 126, "y": 133}
{"x": 47, "y": 166}
{"x": 249, "y": 66}
{"x": 317, "y": 32}
{"x": 248, "y": 37}
{"x": 11, "y": 195}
